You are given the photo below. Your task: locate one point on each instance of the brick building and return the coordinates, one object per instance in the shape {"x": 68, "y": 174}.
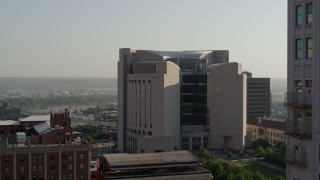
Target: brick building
{"x": 41, "y": 147}
{"x": 264, "y": 128}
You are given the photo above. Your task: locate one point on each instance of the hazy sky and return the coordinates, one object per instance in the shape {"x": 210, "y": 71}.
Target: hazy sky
{"x": 81, "y": 38}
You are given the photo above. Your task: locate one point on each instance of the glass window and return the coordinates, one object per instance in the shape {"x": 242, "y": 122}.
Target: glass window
{"x": 64, "y": 157}
{"x": 81, "y": 156}
{"x": 185, "y": 146}
{"x": 298, "y": 51}
{"x": 309, "y": 14}
{"x": 185, "y": 140}
{"x": 81, "y": 166}
{"x": 205, "y": 142}
{"x": 309, "y": 48}
{"x": 298, "y": 83}
{"x": 298, "y": 15}
{"x": 308, "y": 83}
{"x": 196, "y": 143}
{"x": 52, "y": 158}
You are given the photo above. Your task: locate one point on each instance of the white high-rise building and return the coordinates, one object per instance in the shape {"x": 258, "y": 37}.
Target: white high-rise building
{"x": 170, "y": 100}
{"x": 303, "y": 90}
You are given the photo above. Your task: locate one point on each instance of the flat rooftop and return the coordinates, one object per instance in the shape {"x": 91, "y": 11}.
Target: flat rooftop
{"x": 36, "y": 118}
{"x": 145, "y": 165}
{"x": 181, "y": 54}
{"x": 147, "y": 159}
{"x": 9, "y": 123}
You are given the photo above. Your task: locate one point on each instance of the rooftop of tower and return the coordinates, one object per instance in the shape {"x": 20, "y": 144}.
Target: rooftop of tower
{"x": 181, "y": 54}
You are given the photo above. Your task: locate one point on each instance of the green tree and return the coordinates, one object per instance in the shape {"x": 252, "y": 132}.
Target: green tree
{"x": 261, "y": 152}
{"x": 260, "y": 142}
{"x": 241, "y": 153}
{"x": 216, "y": 168}
{"x": 89, "y": 139}
{"x": 239, "y": 176}
{"x": 278, "y": 178}
{"x": 229, "y": 154}
{"x": 258, "y": 176}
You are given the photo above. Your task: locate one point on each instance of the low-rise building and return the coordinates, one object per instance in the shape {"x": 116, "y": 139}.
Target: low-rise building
{"x": 262, "y": 128}
{"x": 165, "y": 165}
{"x": 42, "y": 147}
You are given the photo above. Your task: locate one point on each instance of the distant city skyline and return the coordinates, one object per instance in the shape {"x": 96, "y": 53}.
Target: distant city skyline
{"x": 82, "y": 38}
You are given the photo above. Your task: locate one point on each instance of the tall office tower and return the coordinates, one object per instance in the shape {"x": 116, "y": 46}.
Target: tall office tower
{"x": 162, "y": 99}
{"x": 302, "y": 98}
{"x": 258, "y": 96}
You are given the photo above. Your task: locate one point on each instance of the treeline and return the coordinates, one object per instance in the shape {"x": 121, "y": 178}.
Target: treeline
{"x": 44, "y": 84}
{"x": 66, "y": 100}
{"x": 91, "y": 133}
{"x": 271, "y": 155}
{"x": 223, "y": 170}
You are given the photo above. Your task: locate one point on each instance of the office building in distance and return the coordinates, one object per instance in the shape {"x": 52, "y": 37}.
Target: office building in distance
{"x": 258, "y": 96}
{"x": 171, "y": 100}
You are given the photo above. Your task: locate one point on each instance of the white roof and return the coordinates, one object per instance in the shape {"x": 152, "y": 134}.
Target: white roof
{"x": 181, "y": 54}
{"x": 9, "y": 123}
{"x": 21, "y": 133}
{"x": 36, "y": 118}
{"x": 42, "y": 128}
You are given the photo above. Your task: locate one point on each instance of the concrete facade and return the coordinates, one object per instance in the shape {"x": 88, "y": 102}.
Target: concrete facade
{"x": 163, "y": 96}
{"x": 227, "y": 106}
{"x": 302, "y": 97}
{"x": 153, "y": 107}
{"x": 151, "y": 95}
